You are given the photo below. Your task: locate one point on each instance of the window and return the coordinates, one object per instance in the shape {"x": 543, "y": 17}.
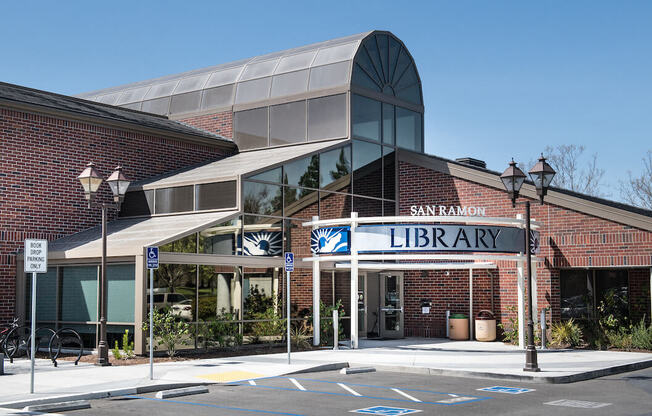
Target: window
{"x": 137, "y": 203}
{"x": 79, "y": 294}
{"x": 260, "y": 198}
{"x": 272, "y": 175}
{"x": 365, "y": 118}
{"x": 302, "y": 172}
{"x": 187, "y": 244}
{"x": 408, "y": 129}
{"x": 216, "y": 195}
{"x": 251, "y": 128}
{"x": 178, "y": 199}
{"x": 583, "y": 291}
{"x": 220, "y": 238}
{"x": 263, "y": 236}
{"x": 367, "y": 169}
{"x": 287, "y": 123}
{"x": 327, "y": 117}
{"x": 388, "y": 124}
{"x": 335, "y": 166}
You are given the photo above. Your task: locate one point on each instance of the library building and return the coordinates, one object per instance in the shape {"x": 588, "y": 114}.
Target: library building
{"x": 318, "y": 151}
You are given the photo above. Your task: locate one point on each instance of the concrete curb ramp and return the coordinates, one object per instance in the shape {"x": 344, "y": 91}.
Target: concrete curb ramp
{"x": 572, "y": 378}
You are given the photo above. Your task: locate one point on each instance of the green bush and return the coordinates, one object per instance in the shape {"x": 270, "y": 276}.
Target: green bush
{"x": 510, "y": 329}
{"x": 642, "y": 336}
{"x": 621, "y": 339}
{"x": 326, "y": 321}
{"x": 169, "y": 331}
{"x": 272, "y": 323}
{"x": 566, "y": 334}
{"x": 223, "y": 331}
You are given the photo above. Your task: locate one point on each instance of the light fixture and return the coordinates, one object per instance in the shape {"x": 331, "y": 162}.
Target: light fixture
{"x": 513, "y": 179}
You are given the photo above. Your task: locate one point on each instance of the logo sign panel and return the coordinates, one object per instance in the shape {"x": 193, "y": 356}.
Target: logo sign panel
{"x": 385, "y": 410}
{"x": 330, "y": 240}
{"x": 36, "y": 256}
{"x": 507, "y": 390}
{"x": 262, "y": 243}
{"x": 440, "y": 237}
{"x": 289, "y": 262}
{"x": 152, "y": 257}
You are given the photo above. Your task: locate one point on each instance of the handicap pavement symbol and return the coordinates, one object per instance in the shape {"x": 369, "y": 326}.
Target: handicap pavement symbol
{"x": 385, "y": 411}
{"x": 508, "y": 390}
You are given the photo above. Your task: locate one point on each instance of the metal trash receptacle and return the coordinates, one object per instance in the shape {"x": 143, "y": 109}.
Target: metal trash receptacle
{"x": 485, "y": 326}
{"x": 458, "y": 327}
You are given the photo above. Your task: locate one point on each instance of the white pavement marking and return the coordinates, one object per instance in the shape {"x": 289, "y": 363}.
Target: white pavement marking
{"x": 349, "y": 389}
{"x": 578, "y": 403}
{"x": 453, "y": 395}
{"x": 455, "y": 400}
{"x": 414, "y": 399}
{"x": 296, "y": 383}
{"x": 253, "y": 383}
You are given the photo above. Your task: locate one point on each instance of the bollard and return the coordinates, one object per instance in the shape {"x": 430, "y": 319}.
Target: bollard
{"x": 543, "y": 329}
{"x": 336, "y": 330}
{"x": 2, "y": 364}
{"x": 448, "y": 314}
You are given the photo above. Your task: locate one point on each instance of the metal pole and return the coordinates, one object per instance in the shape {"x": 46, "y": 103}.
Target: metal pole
{"x": 33, "y": 337}
{"x": 530, "y": 351}
{"x": 102, "y": 349}
{"x": 287, "y": 302}
{"x": 543, "y": 328}
{"x": 151, "y": 324}
{"x": 336, "y": 329}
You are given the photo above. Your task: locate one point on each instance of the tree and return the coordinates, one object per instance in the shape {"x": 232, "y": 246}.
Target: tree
{"x": 566, "y": 159}
{"x": 638, "y": 190}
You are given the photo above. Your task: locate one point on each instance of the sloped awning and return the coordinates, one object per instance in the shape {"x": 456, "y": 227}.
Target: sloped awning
{"x": 127, "y": 237}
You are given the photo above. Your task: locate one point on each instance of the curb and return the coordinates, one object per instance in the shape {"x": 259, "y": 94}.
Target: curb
{"x": 150, "y": 388}
{"x": 573, "y": 378}
{"x": 58, "y": 407}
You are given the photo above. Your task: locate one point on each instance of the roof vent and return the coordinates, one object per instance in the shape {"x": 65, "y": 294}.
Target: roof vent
{"x": 472, "y": 162}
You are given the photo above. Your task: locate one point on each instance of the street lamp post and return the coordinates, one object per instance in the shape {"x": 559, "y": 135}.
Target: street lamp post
{"x": 513, "y": 178}
{"x": 118, "y": 182}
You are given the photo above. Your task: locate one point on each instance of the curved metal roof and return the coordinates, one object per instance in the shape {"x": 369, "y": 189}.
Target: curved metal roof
{"x": 308, "y": 69}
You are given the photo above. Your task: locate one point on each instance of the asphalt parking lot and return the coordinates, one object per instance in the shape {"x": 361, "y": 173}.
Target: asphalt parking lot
{"x": 384, "y": 393}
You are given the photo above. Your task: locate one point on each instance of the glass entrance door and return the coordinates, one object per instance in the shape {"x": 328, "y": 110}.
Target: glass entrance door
{"x": 391, "y": 301}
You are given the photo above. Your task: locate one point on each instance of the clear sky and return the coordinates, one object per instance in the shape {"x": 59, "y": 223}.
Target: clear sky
{"x": 500, "y": 78}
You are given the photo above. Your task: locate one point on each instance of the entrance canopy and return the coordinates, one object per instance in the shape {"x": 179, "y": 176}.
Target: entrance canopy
{"x": 127, "y": 237}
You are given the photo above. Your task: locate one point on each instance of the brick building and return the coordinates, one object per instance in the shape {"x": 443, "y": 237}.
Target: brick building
{"x": 321, "y": 131}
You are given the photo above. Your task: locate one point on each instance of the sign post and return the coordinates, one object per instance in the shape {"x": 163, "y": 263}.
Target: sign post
{"x": 289, "y": 267}
{"x": 152, "y": 263}
{"x": 36, "y": 261}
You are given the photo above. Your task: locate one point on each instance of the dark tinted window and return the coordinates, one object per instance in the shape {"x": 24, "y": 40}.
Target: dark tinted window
{"x": 335, "y": 165}
{"x": 251, "y": 128}
{"x": 187, "y": 244}
{"x": 177, "y": 199}
{"x": 272, "y": 175}
{"x": 260, "y": 198}
{"x": 389, "y": 172}
{"x": 302, "y": 172}
{"x": 408, "y": 129}
{"x": 388, "y": 123}
{"x": 327, "y": 117}
{"x": 366, "y": 207}
{"x": 137, "y": 203}
{"x": 367, "y": 169}
{"x": 365, "y": 118}
{"x": 287, "y": 123}
{"x": 576, "y": 293}
{"x": 216, "y": 195}
{"x": 220, "y": 238}
{"x": 299, "y": 202}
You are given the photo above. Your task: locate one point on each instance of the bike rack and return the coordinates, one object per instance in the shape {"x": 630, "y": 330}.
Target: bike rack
{"x": 72, "y": 336}
{"x": 58, "y": 340}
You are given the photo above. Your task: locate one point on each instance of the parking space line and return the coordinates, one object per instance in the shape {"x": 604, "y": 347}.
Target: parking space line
{"x": 253, "y": 383}
{"x": 349, "y": 389}
{"x": 271, "y": 412}
{"x": 296, "y": 383}
{"x": 414, "y": 399}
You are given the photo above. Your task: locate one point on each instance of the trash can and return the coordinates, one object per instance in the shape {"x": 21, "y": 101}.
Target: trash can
{"x": 485, "y": 326}
{"x": 458, "y": 327}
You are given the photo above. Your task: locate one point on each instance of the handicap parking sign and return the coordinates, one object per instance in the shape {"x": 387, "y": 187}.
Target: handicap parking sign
{"x": 152, "y": 257}
{"x": 289, "y": 262}
{"x": 508, "y": 390}
{"x": 386, "y": 411}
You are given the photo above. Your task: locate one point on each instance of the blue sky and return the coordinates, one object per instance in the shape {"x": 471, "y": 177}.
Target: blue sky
{"x": 501, "y": 79}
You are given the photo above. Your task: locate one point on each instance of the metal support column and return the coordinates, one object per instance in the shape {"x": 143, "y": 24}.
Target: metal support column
{"x": 354, "y": 283}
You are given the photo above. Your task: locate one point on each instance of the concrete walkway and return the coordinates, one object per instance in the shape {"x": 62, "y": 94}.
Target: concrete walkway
{"x": 425, "y": 356}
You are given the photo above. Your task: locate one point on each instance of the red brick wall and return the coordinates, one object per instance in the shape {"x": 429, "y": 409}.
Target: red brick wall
{"x": 41, "y": 196}
{"x": 568, "y": 239}
{"x": 219, "y": 123}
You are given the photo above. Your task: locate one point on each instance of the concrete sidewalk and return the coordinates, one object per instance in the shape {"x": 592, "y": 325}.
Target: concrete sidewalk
{"x": 424, "y": 356}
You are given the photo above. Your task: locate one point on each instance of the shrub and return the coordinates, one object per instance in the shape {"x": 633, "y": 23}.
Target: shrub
{"x": 169, "y": 331}
{"x": 224, "y": 331}
{"x": 300, "y": 335}
{"x": 116, "y": 351}
{"x": 566, "y": 334}
{"x": 642, "y": 336}
{"x": 621, "y": 339}
{"x": 272, "y": 323}
{"x": 326, "y": 322}
{"x": 510, "y": 329}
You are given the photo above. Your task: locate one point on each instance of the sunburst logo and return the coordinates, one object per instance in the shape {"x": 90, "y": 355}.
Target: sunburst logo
{"x": 264, "y": 243}
{"x": 330, "y": 240}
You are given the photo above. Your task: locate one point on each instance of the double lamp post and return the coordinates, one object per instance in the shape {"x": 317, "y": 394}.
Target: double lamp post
{"x": 513, "y": 178}
{"x": 118, "y": 182}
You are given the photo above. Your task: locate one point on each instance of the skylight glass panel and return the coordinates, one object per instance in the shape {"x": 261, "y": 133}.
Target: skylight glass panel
{"x": 329, "y": 76}
{"x": 161, "y": 90}
{"x": 191, "y": 84}
{"x": 131, "y": 96}
{"x": 335, "y": 54}
{"x": 295, "y": 62}
{"x": 224, "y": 77}
{"x": 258, "y": 70}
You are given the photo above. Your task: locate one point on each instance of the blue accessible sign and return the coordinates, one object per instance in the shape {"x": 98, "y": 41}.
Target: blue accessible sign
{"x": 386, "y": 411}
{"x": 289, "y": 262}
{"x": 152, "y": 257}
{"x": 508, "y": 390}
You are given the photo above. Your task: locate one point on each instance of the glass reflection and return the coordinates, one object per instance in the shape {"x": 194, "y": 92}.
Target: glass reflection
{"x": 175, "y": 289}
{"x": 187, "y": 244}
{"x": 389, "y": 172}
{"x": 300, "y": 202}
{"x": 263, "y": 236}
{"x": 367, "y": 169}
{"x": 365, "y": 118}
{"x": 221, "y": 238}
{"x": 260, "y": 288}
{"x": 219, "y": 293}
{"x": 259, "y": 198}
{"x": 388, "y": 123}
{"x": 408, "y": 129}
{"x": 366, "y": 207}
{"x": 302, "y": 172}
{"x": 272, "y": 175}
{"x": 335, "y": 168}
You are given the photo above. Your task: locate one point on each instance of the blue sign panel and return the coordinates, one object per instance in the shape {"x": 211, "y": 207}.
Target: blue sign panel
{"x": 330, "y": 240}
{"x": 508, "y": 390}
{"x": 289, "y": 262}
{"x": 385, "y": 410}
{"x": 152, "y": 257}
{"x": 262, "y": 243}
